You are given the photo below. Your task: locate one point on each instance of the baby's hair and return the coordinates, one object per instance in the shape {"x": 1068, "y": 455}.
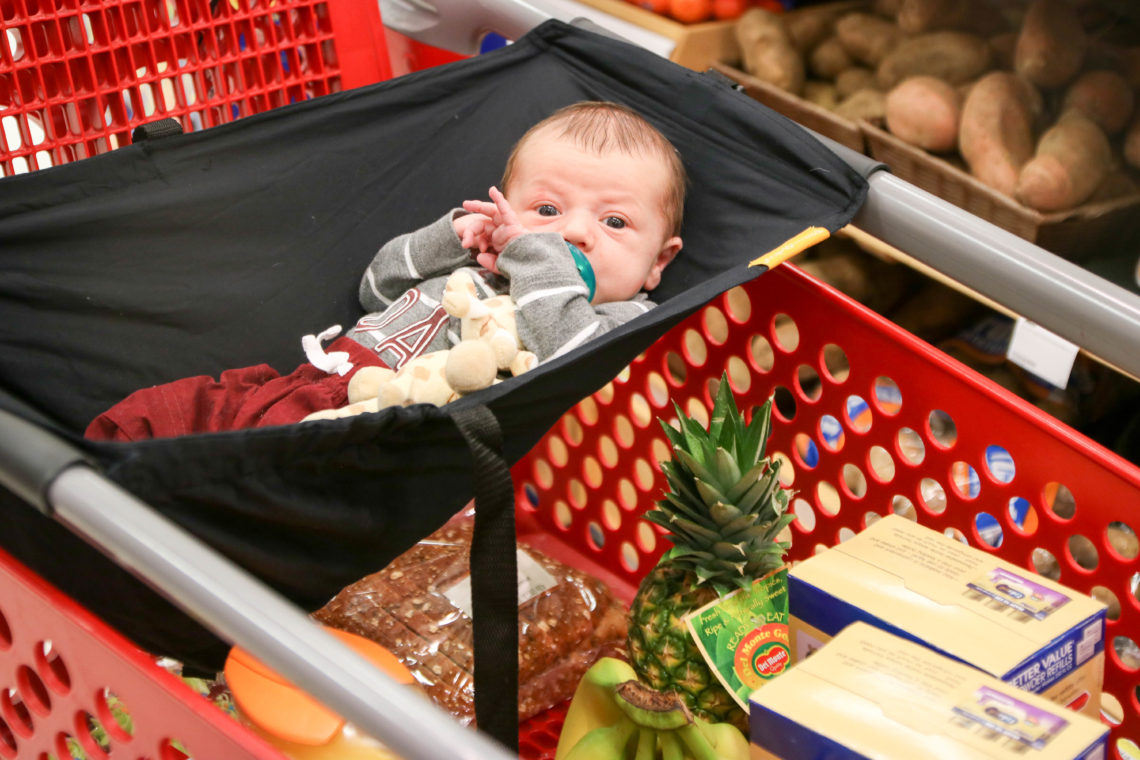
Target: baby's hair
{"x": 599, "y": 126}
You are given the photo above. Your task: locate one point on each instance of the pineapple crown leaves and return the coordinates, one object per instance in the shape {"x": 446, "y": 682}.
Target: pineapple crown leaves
{"x": 728, "y": 440}
{"x": 724, "y": 507}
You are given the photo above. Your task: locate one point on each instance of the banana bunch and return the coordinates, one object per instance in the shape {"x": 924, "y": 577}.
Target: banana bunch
{"x": 613, "y": 716}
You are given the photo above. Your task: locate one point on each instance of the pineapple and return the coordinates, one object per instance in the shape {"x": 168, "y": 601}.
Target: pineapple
{"x": 723, "y": 512}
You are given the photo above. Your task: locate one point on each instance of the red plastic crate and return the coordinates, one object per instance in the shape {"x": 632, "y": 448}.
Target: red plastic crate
{"x": 868, "y": 420}
{"x": 62, "y": 670}
{"x": 76, "y": 76}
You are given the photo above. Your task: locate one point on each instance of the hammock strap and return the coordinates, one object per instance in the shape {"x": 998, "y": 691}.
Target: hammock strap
{"x": 156, "y": 129}
{"x": 494, "y": 573}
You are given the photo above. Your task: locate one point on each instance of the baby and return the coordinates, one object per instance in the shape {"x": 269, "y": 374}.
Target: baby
{"x": 588, "y": 218}
{"x": 594, "y": 175}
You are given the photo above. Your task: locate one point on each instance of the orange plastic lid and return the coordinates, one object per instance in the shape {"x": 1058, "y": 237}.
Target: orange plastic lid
{"x": 280, "y": 709}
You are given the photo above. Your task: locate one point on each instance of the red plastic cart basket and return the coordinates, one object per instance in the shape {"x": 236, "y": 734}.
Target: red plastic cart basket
{"x": 66, "y": 678}
{"x": 76, "y": 76}
{"x": 868, "y": 420}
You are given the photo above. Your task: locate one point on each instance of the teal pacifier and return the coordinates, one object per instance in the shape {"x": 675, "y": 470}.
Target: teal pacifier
{"x": 584, "y": 268}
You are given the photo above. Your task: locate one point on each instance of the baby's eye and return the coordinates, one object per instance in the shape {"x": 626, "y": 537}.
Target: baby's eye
{"x": 615, "y": 222}
{"x": 547, "y": 210}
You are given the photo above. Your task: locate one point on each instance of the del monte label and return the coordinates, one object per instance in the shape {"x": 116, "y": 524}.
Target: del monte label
{"x": 744, "y": 635}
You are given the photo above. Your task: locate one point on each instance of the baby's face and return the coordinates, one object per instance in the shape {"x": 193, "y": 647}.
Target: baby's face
{"x": 608, "y": 204}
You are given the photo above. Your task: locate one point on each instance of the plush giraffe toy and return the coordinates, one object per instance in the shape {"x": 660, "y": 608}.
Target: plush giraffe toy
{"x": 489, "y": 345}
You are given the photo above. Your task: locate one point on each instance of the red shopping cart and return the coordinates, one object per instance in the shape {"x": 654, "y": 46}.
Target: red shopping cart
{"x": 869, "y": 420}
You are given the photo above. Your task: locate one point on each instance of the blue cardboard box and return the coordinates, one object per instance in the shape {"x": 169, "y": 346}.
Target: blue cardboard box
{"x": 868, "y": 694}
{"x": 960, "y": 601}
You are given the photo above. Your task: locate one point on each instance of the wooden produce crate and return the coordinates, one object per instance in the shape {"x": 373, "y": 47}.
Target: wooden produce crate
{"x": 1073, "y": 234}
{"x": 697, "y": 45}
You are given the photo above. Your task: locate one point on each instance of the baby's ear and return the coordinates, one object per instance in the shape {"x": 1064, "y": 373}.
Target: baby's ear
{"x": 667, "y": 253}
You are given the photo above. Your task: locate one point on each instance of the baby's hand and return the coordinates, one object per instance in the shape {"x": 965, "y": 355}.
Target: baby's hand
{"x": 489, "y": 261}
{"x": 474, "y": 231}
{"x": 505, "y": 225}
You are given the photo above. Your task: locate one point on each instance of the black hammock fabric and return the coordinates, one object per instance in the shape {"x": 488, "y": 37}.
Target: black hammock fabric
{"x": 196, "y": 253}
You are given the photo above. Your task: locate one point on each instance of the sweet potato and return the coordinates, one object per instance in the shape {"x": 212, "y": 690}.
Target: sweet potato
{"x": 1073, "y": 157}
{"x": 995, "y": 134}
{"x": 954, "y": 57}
{"x": 886, "y": 8}
{"x": 1051, "y": 45}
{"x": 822, "y": 93}
{"x": 867, "y": 104}
{"x": 1130, "y": 66}
{"x": 1118, "y": 184}
{"x": 1002, "y": 47}
{"x": 853, "y": 79}
{"x": 807, "y": 27}
{"x": 867, "y": 38}
{"x": 768, "y": 51}
{"x": 1132, "y": 143}
{"x": 1104, "y": 96}
{"x": 979, "y": 16}
{"x": 924, "y": 111}
{"x": 1123, "y": 59}
{"x": 918, "y": 16}
{"x": 829, "y": 59}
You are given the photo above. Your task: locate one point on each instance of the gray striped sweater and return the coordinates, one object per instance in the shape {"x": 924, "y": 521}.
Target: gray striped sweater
{"x": 402, "y": 288}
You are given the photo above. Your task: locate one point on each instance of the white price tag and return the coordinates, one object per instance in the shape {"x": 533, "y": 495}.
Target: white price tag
{"x": 533, "y": 580}
{"x": 1039, "y": 351}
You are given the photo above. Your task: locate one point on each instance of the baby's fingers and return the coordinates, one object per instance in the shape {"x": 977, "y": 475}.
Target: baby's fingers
{"x": 489, "y": 261}
{"x": 484, "y": 208}
{"x": 473, "y": 231}
{"x": 503, "y": 206}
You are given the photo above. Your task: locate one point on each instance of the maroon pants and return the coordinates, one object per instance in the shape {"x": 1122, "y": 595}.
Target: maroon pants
{"x": 240, "y": 398}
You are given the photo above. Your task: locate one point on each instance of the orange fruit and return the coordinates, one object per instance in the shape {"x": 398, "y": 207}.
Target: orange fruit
{"x": 690, "y": 11}
{"x": 728, "y": 9}
{"x": 284, "y": 712}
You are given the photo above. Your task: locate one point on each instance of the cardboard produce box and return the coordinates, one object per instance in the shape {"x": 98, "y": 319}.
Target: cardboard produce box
{"x": 968, "y": 604}
{"x": 870, "y": 694}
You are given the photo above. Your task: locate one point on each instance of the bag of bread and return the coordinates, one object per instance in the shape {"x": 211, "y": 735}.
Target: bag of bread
{"x": 419, "y": 608}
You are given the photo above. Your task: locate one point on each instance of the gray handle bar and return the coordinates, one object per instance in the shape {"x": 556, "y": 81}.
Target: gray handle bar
{"x": 52, "y": 476}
